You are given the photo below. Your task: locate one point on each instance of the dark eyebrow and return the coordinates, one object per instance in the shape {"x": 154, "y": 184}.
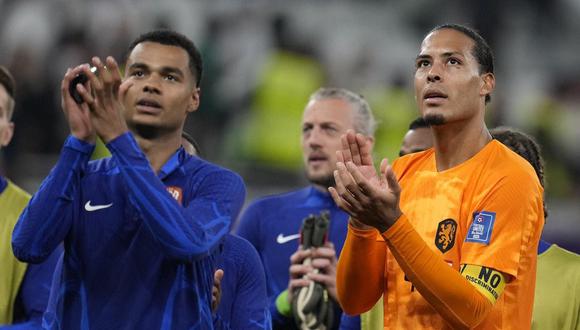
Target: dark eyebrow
{"x": 173, "y": 70}
{"x": 138, "y": 66}
{"x": 164, "y": 70}
{"x": 328, "y": 123}
{"x": 422, "y": 57}
{"x": 447, "y": 54}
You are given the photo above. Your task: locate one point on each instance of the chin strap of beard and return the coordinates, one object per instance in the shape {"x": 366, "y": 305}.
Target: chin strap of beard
{"x": 312, "y": 306}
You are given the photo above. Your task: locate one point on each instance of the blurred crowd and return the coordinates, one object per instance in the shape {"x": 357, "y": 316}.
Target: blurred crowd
{"x": 263, "y": 59}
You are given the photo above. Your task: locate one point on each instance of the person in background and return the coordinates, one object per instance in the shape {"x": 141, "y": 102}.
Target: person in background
{"x": 557, "y": 298}
{"x": 24, "y": 288}
{"x": 417, "y": 138}
{"x": 190, "y": 145}
{"x": 272, "y": 224}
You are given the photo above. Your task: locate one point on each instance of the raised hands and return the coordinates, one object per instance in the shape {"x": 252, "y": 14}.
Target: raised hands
{"x": 77, "y": 115}
{"x": 370, "y": 199}
{"x": 103, "y": 98}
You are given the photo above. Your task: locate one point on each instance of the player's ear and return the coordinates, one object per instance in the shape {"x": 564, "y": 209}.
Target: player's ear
{"x": 194, "y": 99}
{"x": 488, "y": 84}
{"x": 6, "y": 135}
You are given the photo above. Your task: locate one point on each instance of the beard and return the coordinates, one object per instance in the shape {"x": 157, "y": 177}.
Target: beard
{"x": 325, "y": 181}
{"x": 434, "y": 119}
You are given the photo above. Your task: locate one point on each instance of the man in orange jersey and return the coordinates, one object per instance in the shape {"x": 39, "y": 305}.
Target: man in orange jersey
{"x": 448, "y": 235}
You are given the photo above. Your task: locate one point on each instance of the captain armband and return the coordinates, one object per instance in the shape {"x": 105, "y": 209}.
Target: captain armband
{"x": 487, "y": 281}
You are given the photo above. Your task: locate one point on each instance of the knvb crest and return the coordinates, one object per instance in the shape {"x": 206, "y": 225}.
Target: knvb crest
{"x": 176, "y": 193}
{"x": 445, "y": 237}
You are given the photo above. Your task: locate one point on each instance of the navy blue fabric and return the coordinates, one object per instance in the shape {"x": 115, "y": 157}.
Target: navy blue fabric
{"x": 33, "y": 294}
{"x": 543, "y": 246}
{"x": 350, "y": 322}
{"x": 243, "y": 304}
{"x": 3, "y": 184}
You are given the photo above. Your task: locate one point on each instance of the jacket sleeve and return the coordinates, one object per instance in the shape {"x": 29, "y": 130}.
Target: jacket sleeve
{"x": 251, "y": 302}
{"x": 182, "y": 233}
{"x": 47, "y": 219}
{"x": 34, "y": 292}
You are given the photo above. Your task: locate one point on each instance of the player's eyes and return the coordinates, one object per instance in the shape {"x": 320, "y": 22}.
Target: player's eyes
{"x": 453, "y": 61}
{"x": 137, "y": 73}
{"x": 422, "y": 63}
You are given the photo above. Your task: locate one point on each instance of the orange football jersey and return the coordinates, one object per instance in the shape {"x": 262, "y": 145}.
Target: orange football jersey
{"x": 486, "y": 211}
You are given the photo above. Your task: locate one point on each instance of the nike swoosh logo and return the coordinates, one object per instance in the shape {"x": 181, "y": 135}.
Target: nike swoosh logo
{"x": 92, "y": 208}
{"x": 281, "y": 239}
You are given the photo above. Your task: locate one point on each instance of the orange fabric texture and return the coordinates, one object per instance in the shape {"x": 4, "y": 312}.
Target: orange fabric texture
{"x": 359, "y": 291}
{"x": 443, "y": 287}
{"x": 441, "y": 207}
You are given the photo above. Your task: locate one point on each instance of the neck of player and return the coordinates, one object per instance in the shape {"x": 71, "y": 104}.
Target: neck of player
{"x": 158, "y": 150}
{"x": 457, "y": 142}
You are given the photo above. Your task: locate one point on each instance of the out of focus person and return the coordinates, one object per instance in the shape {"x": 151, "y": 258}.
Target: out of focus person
{"x": 557, "y": 299}
{"x": 417, "y": 138}
{"x": 272, "y": 224}
{"x": 24, "y": 288}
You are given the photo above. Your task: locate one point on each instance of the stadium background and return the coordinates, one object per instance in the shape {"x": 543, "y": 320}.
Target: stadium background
{"x": 263, "y": 59}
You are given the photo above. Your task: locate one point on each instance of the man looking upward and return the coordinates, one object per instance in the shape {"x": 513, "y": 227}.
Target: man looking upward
{"x": 141, "y": 228}
{"x": 448, "y": 235}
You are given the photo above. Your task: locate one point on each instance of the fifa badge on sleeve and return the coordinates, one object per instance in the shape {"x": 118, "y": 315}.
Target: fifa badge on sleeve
{"x": 481, "y": 227}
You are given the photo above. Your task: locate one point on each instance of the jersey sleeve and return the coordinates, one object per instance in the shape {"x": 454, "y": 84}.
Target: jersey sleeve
{"x": 360, "y": 271}
{"x": 35, "y": 290}
{"x": 47, "y": 219}
{"x": 251, "y": 303}
{"x": 506, "y": 222}
{"x": 187, "y": 233}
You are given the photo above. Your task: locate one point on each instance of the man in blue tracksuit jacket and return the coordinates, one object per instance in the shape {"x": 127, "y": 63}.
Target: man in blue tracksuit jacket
{"x": 142, "y": 228}
{"x": 272, "y": 224}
